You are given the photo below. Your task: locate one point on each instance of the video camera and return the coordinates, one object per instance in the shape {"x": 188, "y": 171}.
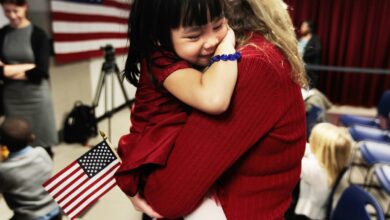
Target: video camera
{"x": 109, "y": 57}
{"x": 109, "y": 53}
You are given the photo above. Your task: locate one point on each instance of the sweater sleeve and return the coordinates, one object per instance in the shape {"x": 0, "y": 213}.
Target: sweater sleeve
{"x": 209, "y": 145}
{"x": 41, "y": 48}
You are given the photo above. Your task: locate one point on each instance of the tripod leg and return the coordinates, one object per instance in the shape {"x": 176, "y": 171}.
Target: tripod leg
{"x": 117, "y": 73}
{"x": 99, "y": 88}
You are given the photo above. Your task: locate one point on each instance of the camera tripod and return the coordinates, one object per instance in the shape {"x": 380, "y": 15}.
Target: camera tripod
{"x": 109, "y": 66}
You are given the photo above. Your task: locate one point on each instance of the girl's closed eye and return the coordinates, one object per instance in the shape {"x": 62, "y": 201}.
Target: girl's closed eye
{"x": 193, "y": 37}
{"x": 218, "y": 27}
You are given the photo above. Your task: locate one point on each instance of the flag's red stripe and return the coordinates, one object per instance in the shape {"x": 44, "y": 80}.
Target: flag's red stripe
{"x": 93, "y": 201}
{"x": 72, "y": 191}
{"x": 59, "y": 174}
{"x": 69, "y": 57}
{"x": 63, "y": 180}
{"x": 89, "y": 186}
{"x": 89, "y": 195}
{"x": 63, "y": 16}
{"x": 69, "y": 184}
{"x": 117, "y": 4}
{"x": 87, "y": 36}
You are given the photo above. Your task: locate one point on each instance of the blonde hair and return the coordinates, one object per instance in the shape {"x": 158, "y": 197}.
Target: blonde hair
{"x": 331, "y": 145}
{"x": 271, "y": 19}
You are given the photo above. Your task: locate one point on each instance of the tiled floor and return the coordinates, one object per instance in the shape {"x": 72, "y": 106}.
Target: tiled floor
{"x": 115, "y": 205}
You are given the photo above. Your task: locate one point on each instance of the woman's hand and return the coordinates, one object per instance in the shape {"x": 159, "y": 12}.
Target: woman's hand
{"x": 17, "y": 71}
{"x": 142, "y": 206}
{"x": 18, "y": 76}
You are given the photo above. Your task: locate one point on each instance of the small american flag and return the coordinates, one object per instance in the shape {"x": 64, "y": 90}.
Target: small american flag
{"x": 81, "y": 27}
{"x": 85, "y": 180}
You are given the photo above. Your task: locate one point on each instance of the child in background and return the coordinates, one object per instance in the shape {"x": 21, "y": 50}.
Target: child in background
{"x": 23, "y": 172}
{"x": 181, "y": 35}
{"x": 326, "y": 155}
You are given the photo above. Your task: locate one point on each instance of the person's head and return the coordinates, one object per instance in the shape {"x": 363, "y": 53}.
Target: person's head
{"x": 307, "y": 27}
{"x": 185, "y": 29}
{"x": 271, "y": 19}
{"x": 15, "y": 11}
{"x": 332, "y": 146}
{"x": 15, "y": 134}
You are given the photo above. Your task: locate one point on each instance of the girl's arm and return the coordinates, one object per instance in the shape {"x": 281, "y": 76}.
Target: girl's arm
{"x": 212, "y": 90}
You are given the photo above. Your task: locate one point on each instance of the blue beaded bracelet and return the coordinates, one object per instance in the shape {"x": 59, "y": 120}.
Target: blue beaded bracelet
{"x": 225, "y": 57}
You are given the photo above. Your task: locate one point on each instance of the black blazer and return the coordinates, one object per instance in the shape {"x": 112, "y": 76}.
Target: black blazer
{"x": 41, "y": 48}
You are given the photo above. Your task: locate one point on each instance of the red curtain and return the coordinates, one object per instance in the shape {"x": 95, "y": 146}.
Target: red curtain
{"x": 353, "y": 33}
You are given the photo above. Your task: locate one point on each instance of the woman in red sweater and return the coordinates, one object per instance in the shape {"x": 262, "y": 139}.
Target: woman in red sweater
{"x": 251, "y": 153}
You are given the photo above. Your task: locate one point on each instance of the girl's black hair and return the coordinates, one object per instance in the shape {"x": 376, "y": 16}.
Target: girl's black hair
{"x": 15, "y": 2}
{"x": 150, "y": 24}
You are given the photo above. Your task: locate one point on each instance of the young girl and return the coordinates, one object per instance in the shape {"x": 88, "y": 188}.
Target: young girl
{"x": 328, "y": 153}
{"x": 168, "y": 38}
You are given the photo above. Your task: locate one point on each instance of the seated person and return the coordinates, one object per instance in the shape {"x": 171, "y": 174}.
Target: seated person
{"x": 326, "y": 155}
{"x": 23, "y": 172}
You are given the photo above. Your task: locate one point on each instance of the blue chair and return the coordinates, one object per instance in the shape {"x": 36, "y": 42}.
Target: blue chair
{"x": 383, "y": 174}
{"x": 352, "y": 205}
{"x": 313, "y": 116}
{"x": 373, "y": 153}
{"x": 383, "y": 110}
{"x": 361, "y": 133}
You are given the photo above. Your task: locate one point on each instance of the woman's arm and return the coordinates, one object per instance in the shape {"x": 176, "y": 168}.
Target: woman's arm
{"x": 209, "y": 145}
{"x": 41, "y": 47}
{"x": 16, "y": 71}
{"x": 211, "y": 91}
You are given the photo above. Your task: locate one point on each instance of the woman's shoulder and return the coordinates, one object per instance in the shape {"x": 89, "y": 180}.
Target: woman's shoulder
{"x": 258, "y": 47}
{"x": 4, "y": 29}
{"x": 38, "y": 31}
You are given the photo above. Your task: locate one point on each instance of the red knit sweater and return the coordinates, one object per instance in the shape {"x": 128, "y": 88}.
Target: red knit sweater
{"x": 253, "y": 151}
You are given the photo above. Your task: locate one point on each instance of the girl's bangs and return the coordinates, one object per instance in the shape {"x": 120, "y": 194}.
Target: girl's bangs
{"x": 200, "y": 12}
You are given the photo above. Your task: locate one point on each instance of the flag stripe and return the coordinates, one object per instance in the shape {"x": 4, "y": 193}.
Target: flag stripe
{"x": 84, "y": 201}
{"x": 71, "y": 189}
{"x": 60, "y": 175}
{"x": 62, "y": 16}
{"x": 64, "y": 179}
{"x": 87, "y": 45}
{"x": 63, "y": 58}
{"x": 118, "y": 4}
{"x": 67, "y": 181}
{"x": 84, "y": 188}
{"x": 88, "y": 36}
{"x": 81, "y": 27}
{"x": 88, "y": 9}
{"x": 76, "y": 179}
{"x": 95, "y": 197}
{"x": 88, "y": 27}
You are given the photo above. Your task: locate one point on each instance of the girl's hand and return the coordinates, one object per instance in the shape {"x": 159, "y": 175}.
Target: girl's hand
{"x": 229, "y": 39}
{"x": 142, "y": 206}
{"x": 228, "y": 43}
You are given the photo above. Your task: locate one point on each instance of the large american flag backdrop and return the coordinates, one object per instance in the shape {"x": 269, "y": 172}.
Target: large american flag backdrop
{"x": 81, "y": 27}
{"x": 84, "y": 181}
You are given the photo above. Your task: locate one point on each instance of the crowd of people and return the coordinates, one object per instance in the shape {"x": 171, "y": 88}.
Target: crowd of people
{"x": 218, "y": 125}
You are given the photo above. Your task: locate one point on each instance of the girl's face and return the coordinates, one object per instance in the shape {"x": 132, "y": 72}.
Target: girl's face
{"x": 15, "y": 14}
{"x": 197, "y": 44}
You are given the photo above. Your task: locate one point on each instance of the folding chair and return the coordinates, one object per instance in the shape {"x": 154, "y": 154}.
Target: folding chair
{"x": 372, "y": 153}
{"x": 352, "y": 205}
{"x": 383, "y": 110}
{"x": 362, "y": 133}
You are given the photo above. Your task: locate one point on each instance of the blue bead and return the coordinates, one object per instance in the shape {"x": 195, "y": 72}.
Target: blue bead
{"x": 224, "y": 57}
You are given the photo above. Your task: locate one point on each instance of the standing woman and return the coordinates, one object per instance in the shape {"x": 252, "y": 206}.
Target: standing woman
{"x": 24, "y": 56}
